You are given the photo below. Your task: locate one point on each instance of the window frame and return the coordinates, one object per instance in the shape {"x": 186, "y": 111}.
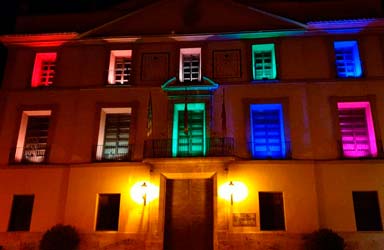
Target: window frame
{"x": 114, "y": 54}
{"x": 366, "y": 105}
{"x": 200, "y": 106}
{"x": 38, "y": 71}
{"x": 188, "y": 51}
{"x": 16, "y": 228}
{"x": 98, "y": 207}
{"x": 270, "y": 47}
{"x": 20, "y": 144}
{"x": 376, "y": 205}
{"x": 282, "y": 211}
{"x": 283, "y": 139}
{"x": 356, "y": 64}
{"x": 101, "y": 133}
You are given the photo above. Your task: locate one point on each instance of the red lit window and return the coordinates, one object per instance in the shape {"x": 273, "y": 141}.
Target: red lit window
{"x": 44, "y": 69}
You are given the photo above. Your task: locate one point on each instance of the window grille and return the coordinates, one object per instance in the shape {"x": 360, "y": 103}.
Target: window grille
{"x": 191, "y": 67}
{"x": 191, "y": 143}
{"x": 347, "y": 58}
{"x": 267, "y": 131}
{"x": 122, "y": 70}
{"x": 357, "y": 129}
{"x": 44, "y": 69}
{"x": 47, "y": 72}
{"x": 116, "y": 136}
{"x": 264, "y": 62}
{"x": 36, "y": 139}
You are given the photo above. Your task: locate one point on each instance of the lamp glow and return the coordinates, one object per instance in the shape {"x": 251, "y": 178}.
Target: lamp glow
{"x": 144, "y": 192}
{"x": 233, "y": 191}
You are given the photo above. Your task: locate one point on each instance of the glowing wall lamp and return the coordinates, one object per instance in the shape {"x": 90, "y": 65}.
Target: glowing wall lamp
{"x": 233, "y": 191}
{"x": 144, "y": 192}
{"x": 144, "y": 189}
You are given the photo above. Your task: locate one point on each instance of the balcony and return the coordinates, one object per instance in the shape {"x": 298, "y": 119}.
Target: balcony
{"x": 360, "y": 149}
{"x": 270, "y": 151}
{"x": 31, "y": 154}
{"x": 105, "y": 153}
{"x": 165, "y": 148}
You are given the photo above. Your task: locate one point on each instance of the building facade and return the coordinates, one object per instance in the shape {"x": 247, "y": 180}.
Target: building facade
{"x": 193, "y": 125}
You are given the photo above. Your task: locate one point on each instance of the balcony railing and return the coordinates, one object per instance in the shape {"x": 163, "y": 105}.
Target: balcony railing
{"x": 113, "y": 153}
{"x": 361, "y": 149}
{"x": 163, "y": 148}
{"x": 29, "y": 154}
{"x": 263, "y": 151}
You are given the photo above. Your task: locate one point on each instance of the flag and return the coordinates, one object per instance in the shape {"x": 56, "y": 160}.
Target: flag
{"x": 186, "y": 117}
{"x": 149, "y": 116}
{"x": 223, "y": 116}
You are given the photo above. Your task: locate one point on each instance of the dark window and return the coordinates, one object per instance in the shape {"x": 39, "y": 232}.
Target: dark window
{"x": 367, "y": 211}
{"x": 271, "y": 211}
{"x": 108, "y": 212}
{"x": 21, "y": 213}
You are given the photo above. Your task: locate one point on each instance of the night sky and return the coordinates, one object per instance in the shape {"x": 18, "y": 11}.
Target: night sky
{"x": 10, "y": 8}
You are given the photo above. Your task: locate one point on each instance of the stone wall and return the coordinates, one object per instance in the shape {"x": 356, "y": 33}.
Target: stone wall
{"x": 225, "y": 241}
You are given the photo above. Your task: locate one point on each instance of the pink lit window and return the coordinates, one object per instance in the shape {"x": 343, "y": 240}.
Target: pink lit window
{"x": 120, "y": 67}
{"x": 357, "y": 129}
{"x": 44, "y": 69}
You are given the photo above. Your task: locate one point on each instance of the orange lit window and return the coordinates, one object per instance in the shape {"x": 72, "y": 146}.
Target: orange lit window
{"x": 44, "y": 69}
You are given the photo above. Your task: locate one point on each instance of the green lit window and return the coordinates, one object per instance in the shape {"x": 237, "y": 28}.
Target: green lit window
{"x": 264, "y": 62}
{"x": 189, "y": 136}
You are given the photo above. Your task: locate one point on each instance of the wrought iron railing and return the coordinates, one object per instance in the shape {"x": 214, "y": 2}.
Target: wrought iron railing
{"x": 163, "y": 148}
{"x": 360, "y": 150}
{"x": 31, "y": 154}
{"x": 113, "y": 153}
{"x": 264, "y": 151}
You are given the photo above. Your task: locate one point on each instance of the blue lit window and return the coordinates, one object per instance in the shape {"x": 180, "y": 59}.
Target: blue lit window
{"x": 263, "y": 62}
{"x": 267, "y": 131}
{"x": 348, "y": 62}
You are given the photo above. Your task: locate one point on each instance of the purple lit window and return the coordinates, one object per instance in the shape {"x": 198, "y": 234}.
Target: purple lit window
{"x": 356, "y": 129}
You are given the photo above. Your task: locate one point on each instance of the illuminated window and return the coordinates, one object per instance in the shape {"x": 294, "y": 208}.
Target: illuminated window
{"x": 189, "y": 136}
{"x": 357, "y": 129}
{"x": 120, "y": 67}
{"x": 190, "y": 65}
{"x": 271, "y": 211}
{"x": 33, "y": 137}
{"x": 44, "y": 69}
{"x": 263, "y": 61}
{"x": 267, "y": 131}
{"x": 114, "y": 132}
{"x": 347, "y": 56}
{"x": 367, "y": 211}
{"x": 21, "y": 213}
{"x": 108, "y": 212}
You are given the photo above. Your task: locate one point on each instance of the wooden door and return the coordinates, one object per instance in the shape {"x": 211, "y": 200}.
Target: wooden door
{"x": 189, "y": 215}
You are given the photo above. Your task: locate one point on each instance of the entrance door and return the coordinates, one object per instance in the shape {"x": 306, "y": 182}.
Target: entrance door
{"x": 189, "y": 215}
